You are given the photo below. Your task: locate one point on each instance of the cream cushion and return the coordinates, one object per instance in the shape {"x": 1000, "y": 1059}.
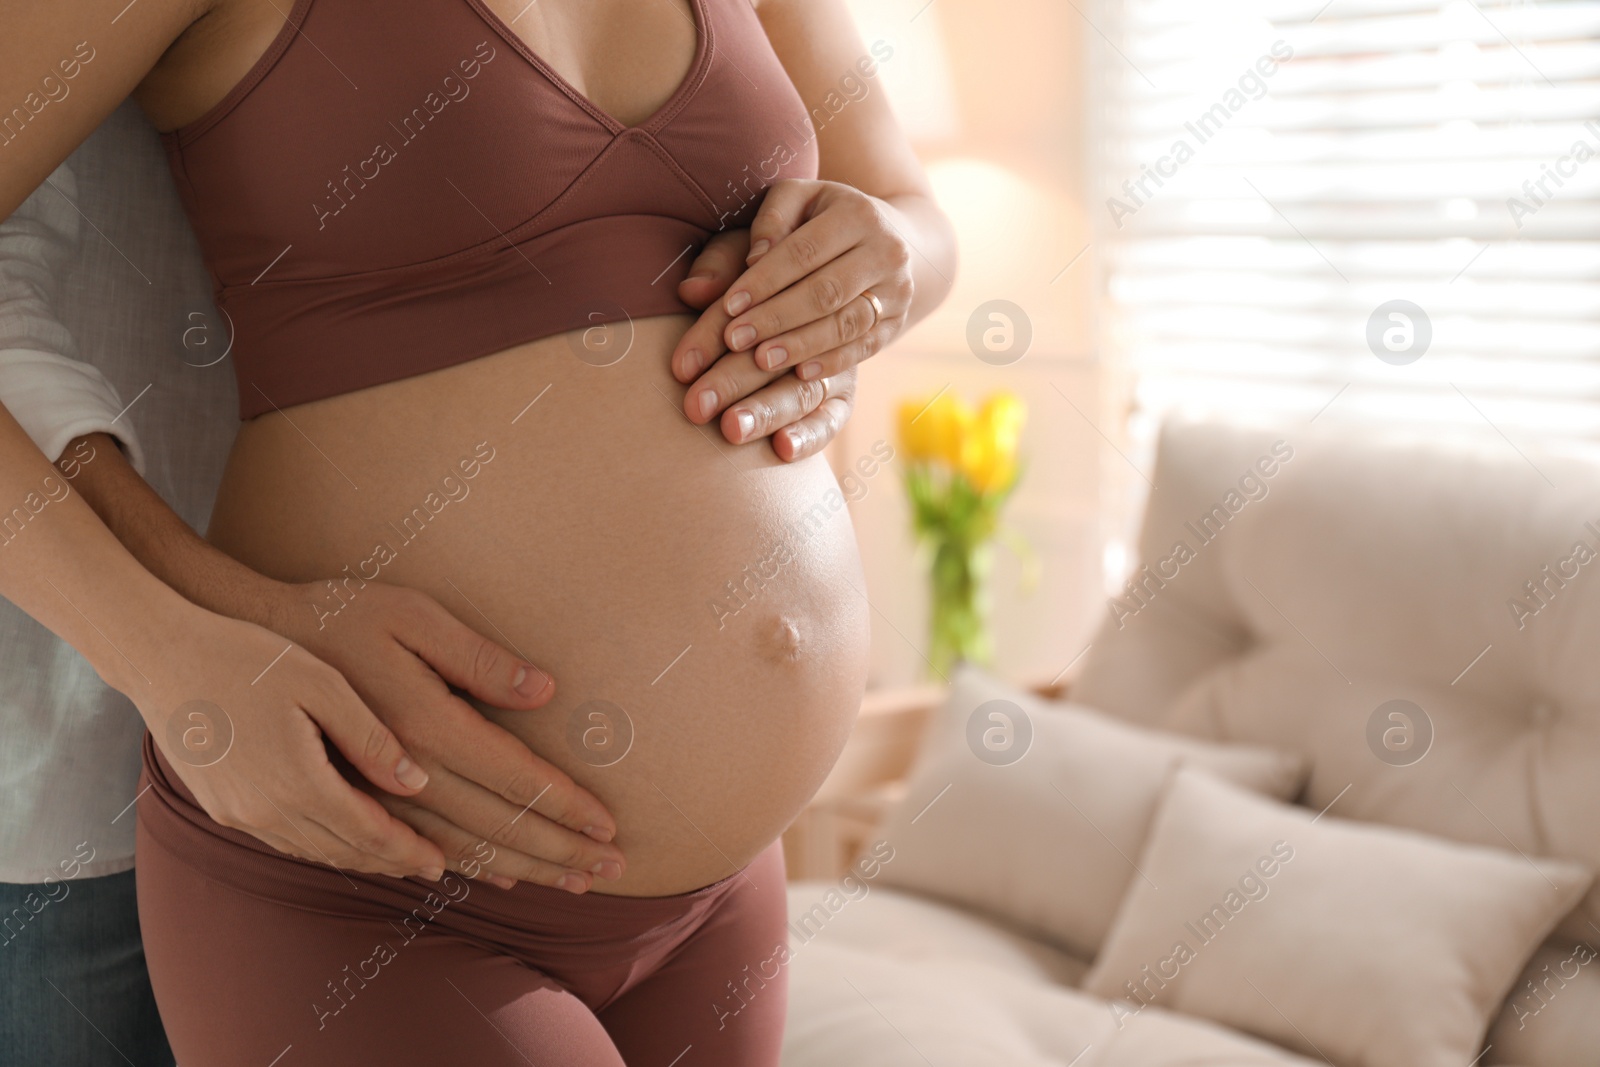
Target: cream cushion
{"x": 915, "y": 930}
{"x": 1367, "y": 945}
{"x": 852, "y": 1007}
{"x": 896, "y": 981}
{"x": 1045, "y": 836}
{"x": 1551, "y": 1018}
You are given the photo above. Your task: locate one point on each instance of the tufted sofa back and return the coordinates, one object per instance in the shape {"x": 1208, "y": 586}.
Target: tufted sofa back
{"x": 1421, "y": 620}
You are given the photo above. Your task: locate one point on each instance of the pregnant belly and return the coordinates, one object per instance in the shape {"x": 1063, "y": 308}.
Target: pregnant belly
{"x": 696, "y": 602}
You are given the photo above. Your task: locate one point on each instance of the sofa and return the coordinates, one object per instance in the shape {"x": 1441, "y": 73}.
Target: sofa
{"x": 1379, "y": 646}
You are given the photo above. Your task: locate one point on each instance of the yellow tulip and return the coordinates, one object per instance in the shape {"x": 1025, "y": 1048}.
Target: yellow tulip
{"x": 989, "y": 454}
{"x": 953, "y": 418}
{"x": 981, "y": 444}
{"x": 915, "y": 439}
{"x": 986, "y": 466}
{"x": 1004, "y": 415}
{"x": 935, "y": 430}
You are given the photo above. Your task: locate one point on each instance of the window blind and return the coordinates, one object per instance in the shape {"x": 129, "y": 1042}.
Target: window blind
{"x": 1376, "y": 208}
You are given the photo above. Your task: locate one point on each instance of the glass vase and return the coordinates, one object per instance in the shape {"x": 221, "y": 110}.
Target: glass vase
{"x": 958, "y": 619}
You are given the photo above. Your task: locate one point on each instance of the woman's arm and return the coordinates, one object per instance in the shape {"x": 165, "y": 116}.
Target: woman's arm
{"x": 64, "y": 67}
{"x": 868, "y": 223}
{"x": 861, "y": 147}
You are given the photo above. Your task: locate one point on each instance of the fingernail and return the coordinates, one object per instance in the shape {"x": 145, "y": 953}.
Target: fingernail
{"x": 808, "y": 371}
{"x": 742, "y": 337}
{"x": 692, "y": 362}
{"x": 747, "y": 424}
{"x": 599, "y": 833}
{"x": 409, "y": 774}
{"x": 737, "y": 302}
{"x": 500, "y": 880}
{"x": 433, "y": 874}
{"x": 774, "y": 357}
{"x": 757, "y": 250}
{"x": 571, "y": 883}
{"x": 608, "y": 869}
{"x": 703, "y": 275}
{"x": 530, "y": 681}
{"x": 708, "y": 403}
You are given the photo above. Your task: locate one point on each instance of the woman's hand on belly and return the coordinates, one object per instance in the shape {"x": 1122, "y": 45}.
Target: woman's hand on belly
{"x": 493, "y": 806}
{"x": 829, "y": 283}
{"x": 800, "y": 417}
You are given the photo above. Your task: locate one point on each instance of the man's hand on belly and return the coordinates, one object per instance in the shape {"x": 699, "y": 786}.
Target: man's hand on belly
{"x": 490, "y": 803}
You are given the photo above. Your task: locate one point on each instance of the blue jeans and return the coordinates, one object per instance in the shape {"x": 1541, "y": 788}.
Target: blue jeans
{"x": 73, "y": 987}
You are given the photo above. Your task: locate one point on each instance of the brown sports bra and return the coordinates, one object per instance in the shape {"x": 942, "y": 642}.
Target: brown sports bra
{"x": 400, "y": 187}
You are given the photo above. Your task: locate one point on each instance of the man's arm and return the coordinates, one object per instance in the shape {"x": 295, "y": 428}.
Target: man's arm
{"x": 61, "y": 565}
{"x": 52, "y": 394}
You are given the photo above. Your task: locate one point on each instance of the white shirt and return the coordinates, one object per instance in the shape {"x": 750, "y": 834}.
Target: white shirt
{"x": 104, "y": 305}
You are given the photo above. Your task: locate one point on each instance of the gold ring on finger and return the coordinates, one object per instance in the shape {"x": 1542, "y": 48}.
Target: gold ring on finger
{"x": 877, "y": 306}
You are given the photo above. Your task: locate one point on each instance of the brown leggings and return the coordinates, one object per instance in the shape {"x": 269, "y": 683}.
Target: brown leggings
{"x": 260, "y": 959}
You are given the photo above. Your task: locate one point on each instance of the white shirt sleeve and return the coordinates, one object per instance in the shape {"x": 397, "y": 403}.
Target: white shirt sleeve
{"x": 53, "y": 395}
